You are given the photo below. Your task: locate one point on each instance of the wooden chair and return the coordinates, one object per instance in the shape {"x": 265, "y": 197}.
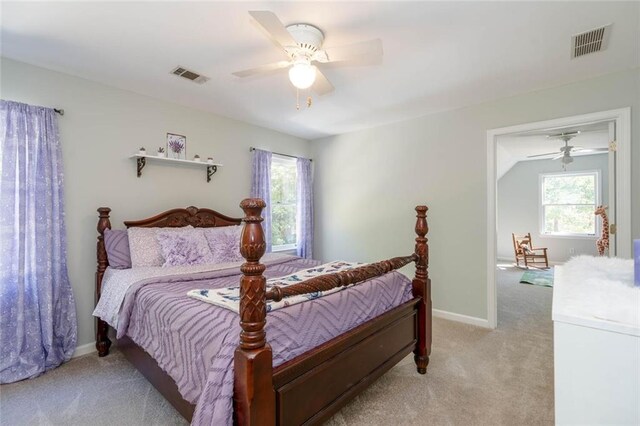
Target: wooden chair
{"x": 524, "y": 251}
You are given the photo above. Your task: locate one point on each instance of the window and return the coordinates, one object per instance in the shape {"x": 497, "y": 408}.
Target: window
{"x": 284, "y": 203}
{"x": 567, "y": 203}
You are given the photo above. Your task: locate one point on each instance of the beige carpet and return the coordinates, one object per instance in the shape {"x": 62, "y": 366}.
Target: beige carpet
{"x": 475, "y": 377}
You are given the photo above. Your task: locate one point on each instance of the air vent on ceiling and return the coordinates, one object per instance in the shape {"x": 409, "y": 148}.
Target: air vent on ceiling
{"x": 590, "y": 41}
{"x": 189, "y": 75}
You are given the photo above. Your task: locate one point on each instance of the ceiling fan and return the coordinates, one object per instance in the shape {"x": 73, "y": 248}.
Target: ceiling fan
{"x": 302, "y": 44}
{"x": 565, "y": 151}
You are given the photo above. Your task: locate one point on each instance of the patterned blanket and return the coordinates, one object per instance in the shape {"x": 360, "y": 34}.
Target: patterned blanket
{"x": 229, "y": 298}
{"x": 117, "y": 282}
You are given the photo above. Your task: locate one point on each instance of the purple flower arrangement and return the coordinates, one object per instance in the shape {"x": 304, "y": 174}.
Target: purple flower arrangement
{"x": 176, "y": 145}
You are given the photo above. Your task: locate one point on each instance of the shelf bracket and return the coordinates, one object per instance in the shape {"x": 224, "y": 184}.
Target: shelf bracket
{"x": 210, "y": 172}
{"x": 142, "y": 161}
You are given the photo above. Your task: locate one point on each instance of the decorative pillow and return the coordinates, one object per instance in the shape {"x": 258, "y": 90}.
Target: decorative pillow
{"x": 117, "y": 245}
{"x": 144, "y": 246}
{"x": 184, "y": 248}
{"x": 224, "y": 243}
{"x": 525, "y": 248}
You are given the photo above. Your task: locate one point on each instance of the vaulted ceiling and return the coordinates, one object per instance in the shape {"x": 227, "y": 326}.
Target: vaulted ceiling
{"x": 521, "y": 146}
{"x": 437, "y": 55}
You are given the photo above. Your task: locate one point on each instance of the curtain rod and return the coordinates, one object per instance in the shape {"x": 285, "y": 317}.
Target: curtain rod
{"x": 277, "y": 153}
{"x": 59, "y": 111}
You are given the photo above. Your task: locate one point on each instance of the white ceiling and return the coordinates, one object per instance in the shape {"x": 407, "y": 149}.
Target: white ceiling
{"x": 438, "y": 55}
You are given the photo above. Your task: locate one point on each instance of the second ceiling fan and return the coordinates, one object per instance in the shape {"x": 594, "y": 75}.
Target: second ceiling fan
{"x": 565, "y": 151}
{"x": 303, "y": 45}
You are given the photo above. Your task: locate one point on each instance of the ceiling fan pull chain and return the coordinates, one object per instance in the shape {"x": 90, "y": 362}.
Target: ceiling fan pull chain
{"x": 297, "y": 99}
{"x": 309, "y": 101}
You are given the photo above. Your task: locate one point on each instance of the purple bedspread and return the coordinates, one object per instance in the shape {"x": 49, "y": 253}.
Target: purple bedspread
{"x": 194, "y": 341}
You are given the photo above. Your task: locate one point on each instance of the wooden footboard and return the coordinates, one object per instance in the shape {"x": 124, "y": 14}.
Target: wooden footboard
{"x": 313, "y": 387}
{"x": 310, "y": 388}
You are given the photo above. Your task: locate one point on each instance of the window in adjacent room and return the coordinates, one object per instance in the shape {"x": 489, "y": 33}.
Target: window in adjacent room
{"x": 567, "y": 203}
{"x": 283, "y": 202}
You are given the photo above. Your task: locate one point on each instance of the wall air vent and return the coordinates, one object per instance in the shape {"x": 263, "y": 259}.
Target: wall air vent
{"x": 590, "y": 41}
{"x": 189, "y": 75}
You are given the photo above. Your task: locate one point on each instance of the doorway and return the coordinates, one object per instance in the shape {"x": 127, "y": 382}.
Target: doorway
{"x": 615, "y": 126}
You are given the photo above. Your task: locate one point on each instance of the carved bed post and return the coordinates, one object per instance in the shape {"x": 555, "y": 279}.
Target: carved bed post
{"x": 254, "y": 394}
{"x": 422, "y": 288}
{"x": 102, "y": 330}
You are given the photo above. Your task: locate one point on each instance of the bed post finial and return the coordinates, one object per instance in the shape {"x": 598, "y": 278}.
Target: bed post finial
{"x": 422, "y": 288}
{"x": 253, "y": 361}
{"x": 102, "y": 329}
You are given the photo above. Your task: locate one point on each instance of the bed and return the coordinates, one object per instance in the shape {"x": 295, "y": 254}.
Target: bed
{"x": 290, "y": 384}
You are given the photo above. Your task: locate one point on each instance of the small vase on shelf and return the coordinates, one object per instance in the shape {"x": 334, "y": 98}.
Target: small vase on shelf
{"x": 142, "y": 151}
{"x": 196, "y": 158}
{"x": 210, "y": 160}
{"x": 161, "y": 152}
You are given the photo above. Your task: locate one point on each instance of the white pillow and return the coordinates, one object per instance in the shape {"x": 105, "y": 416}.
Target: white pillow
{"x": 144, "y": 246}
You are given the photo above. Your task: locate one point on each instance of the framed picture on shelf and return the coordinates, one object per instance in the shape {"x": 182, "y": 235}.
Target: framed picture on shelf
{"x": 176, "y": 146}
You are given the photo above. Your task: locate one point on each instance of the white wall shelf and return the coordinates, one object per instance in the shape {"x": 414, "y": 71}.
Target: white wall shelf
{"x": 141, "y": 161}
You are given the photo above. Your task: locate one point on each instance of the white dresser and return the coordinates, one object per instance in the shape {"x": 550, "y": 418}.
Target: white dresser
{"x": 596, "y": 325}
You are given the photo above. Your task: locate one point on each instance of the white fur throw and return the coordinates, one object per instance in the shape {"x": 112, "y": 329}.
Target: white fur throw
{"x": 598, "y": 288}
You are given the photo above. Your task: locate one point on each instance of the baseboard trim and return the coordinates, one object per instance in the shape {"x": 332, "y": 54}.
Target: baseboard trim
{"x": 452, "y": 316}
{"x": 84, "y": 349}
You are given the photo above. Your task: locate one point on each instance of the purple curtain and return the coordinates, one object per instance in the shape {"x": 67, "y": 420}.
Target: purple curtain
{"x": 261, "y": 187}
{"x": 304, "y": 216}
{"x": 37, "y": 309}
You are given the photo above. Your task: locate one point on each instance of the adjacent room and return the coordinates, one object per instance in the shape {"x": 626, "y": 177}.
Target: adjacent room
{"x": 323, "y": 212}
{"x": 552, "y": 195}
{"x": 551, "y": 185}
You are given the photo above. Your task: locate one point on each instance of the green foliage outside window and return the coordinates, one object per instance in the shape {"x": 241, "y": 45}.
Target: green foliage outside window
{"x": 283, "y": 202}
{"x": 568, "y": 203}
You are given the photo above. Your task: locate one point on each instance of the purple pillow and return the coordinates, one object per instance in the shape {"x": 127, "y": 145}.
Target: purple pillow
{"x": 117, "y": 245}
{"x": 184, "y": 248}
{"x": 224, "y": 243}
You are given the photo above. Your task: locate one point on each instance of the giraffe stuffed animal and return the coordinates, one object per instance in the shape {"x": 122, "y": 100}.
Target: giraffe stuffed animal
{"x": 603, "y": 242}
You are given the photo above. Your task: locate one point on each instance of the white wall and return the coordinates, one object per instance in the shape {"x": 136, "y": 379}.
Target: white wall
{"x": 519, "y": 202}
{"x": 101, "y": 128}
{"x": 504, "y": 161}
{"x": 368, "y": 182}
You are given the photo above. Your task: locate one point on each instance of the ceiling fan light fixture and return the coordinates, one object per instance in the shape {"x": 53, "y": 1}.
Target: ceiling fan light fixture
{"x": 302, "y": 75}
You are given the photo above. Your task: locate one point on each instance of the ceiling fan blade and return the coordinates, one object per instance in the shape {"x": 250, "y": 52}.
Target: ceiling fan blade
{"x": 563, "y": 135}
{"x": 357, "y": 61}
{"x": 371, "y": 48}
{"x": 262, "y": 69}
{"x": 274, "y": 27}
{"x": 543, "y": 155}
{"x": 550, "y": 133}
{"x": 559, "y": 156}
{"x": 322, "y": 86}
{"x": 591, "y": 150}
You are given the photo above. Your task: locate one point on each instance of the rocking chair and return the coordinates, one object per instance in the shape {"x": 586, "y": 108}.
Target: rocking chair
{"x": 524, "y": 251}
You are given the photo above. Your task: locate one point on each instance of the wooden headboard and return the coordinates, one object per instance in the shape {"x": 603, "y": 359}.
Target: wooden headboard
{"x": 198, "y": 218}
